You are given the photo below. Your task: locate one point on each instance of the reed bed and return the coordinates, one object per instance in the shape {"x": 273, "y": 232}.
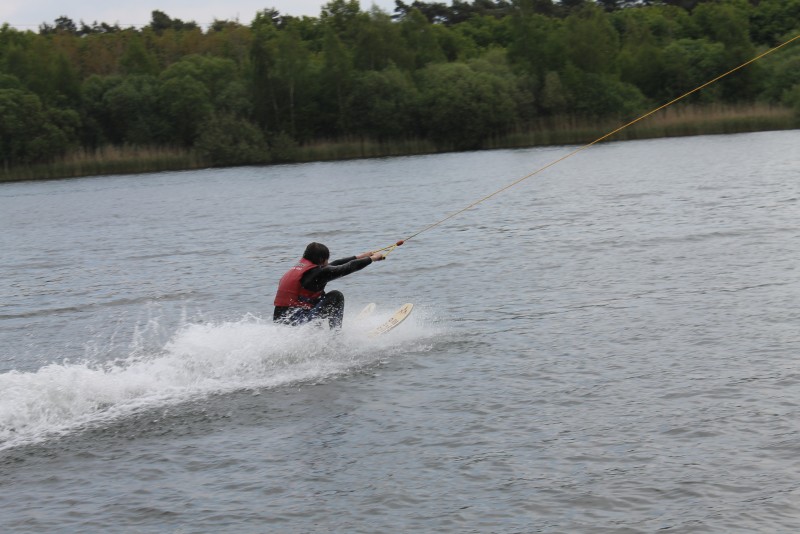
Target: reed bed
{"x": 674, "y": 121}
{"x": 353, "y": 148}
{"x": 715, "y": 119}
{"x": 670, "y": 122}
{"x": 107, "y": 160}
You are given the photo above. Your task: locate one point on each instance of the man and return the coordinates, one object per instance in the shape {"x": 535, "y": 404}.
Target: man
{"x": 301, "y": 295}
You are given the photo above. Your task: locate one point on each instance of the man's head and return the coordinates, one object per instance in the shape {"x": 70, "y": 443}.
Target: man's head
{"x": 317, "y": 253}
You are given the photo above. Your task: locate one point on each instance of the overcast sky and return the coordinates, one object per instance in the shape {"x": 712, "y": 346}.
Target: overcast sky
{"x": 29, "y": 14}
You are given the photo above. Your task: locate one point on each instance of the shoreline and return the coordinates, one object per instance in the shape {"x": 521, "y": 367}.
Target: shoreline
{"x": 683, "y": 121}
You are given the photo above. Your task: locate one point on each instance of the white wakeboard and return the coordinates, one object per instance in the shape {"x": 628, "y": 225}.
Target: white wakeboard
{"x": 398, "y": 317}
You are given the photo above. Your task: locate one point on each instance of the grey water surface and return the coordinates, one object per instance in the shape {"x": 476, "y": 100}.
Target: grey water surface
{"x": 612, "y": 345}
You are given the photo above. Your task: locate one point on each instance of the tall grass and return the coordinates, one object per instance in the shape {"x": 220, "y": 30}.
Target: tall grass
{"x": 715, "y": 119}
{"x": 107, "y": 160}
{"x": 352, "y": 148}
{"x": 673, "y": 121}
{"x": 670, "y": 122}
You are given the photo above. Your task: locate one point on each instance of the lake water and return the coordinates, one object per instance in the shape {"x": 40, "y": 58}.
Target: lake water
{"x": 610, "y": 346}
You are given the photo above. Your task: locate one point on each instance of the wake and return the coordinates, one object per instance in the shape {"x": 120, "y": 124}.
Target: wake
{"x": 198, "y": 360}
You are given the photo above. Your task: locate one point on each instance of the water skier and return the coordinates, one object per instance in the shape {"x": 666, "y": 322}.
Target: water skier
{"x": 301, "y": 295}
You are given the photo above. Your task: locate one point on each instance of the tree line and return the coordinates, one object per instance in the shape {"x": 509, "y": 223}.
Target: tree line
{"x": 454, "y": 74}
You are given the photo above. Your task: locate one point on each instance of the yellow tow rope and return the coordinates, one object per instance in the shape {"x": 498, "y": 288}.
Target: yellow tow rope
{"x": 390, "y": 248}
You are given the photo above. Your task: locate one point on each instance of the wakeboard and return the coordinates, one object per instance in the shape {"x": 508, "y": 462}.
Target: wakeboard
{"x": 398, "y": 317}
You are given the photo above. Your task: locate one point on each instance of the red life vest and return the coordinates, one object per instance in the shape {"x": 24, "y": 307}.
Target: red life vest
{"x": 291, "y": 293}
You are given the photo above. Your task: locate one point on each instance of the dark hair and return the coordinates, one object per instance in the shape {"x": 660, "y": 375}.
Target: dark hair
{"x": 316, "y": 253}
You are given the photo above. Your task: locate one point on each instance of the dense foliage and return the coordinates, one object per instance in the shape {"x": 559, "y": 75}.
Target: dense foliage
{"x": 456, "y": 74}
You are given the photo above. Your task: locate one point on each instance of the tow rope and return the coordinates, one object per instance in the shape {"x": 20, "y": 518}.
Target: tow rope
{"x": 390, "y": 248}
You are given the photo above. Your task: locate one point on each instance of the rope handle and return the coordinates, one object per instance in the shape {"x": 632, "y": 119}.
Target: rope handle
{"x": 390, "y": 248}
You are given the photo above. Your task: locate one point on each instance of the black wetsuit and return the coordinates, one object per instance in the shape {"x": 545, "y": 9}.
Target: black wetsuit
{"x": 331, "y": 306}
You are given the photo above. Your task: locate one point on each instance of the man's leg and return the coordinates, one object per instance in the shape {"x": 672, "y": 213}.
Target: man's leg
{"x": 331, "y": 307}
{"x": 293, "y": 316}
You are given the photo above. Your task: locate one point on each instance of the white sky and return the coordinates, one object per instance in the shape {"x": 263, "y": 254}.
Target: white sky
{"x": 29, "y": 14}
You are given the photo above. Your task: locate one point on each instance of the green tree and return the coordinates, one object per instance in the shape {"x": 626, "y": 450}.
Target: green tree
{"x": 137, "y": 60}
{"x": 461, "y": 108}
{"x": 592, "y": 41}
{"x": 229, "y": 40}
{"x": 340, "y": 16}
{"x": 378, "y": 43}
{"x": 688, "y": 63}
{"x": 214, "y": 73}
{"x": 62, "y": 25}
{"x": 161, "y": 22}
{"x": 186, "y": 105}
{"x": 420, "y": 39}
{"x": 727, "y": 23}
{"x": 553, "y": 97}
{"x": 34, "y": 63}
{"x": 235, "y": 99}
{"x": 133, "y": 112}
{"x": 641, "y": 60}
{"x": 781, "y": 73}
{"x": 121, "y": 110}
{"x": 337, "y": 77}
{"x": 292, "y": 71}
{"x": 7, "y": 81}
{"x": 383, "y": 105}
{"x": 538, "y": 43}
{"x": 230, "y": 140}
{"x": 30, "y": 133}
{"x": 665, "y": 24}
{"x": 98, "y": 122}
{"x": 485, "y": 32}
{"x": 263, "y": 58}
{"x": 20, "y": 119}
{"x": 771, "y": 20}
{"x": 598, "y": 95}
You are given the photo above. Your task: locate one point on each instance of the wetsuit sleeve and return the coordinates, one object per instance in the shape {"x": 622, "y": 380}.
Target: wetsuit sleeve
{"x": 342, "y": 261}
{"x": 315, "y": 279}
